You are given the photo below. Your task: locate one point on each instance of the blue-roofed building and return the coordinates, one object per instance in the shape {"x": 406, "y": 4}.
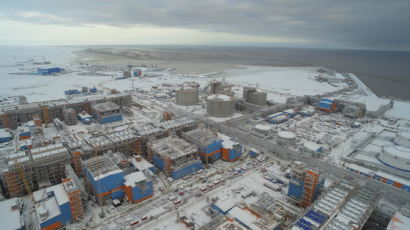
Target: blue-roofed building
{"x": 49, "y": 71}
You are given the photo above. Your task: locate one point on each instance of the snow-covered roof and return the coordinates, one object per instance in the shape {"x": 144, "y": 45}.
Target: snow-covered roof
{"x": 399, "y": 221}
{"x": 4, "y": 133}
{"x": 142, "y": 164}
{"x": 372, "y": 103}
{"x": 134, "y": 177}
{"x": 59, "y": 193}
{"x": 227, "y": 142}
{"x": 50, "y": 206}
{"x": 244, "y": 216}
{"x": 264, "y": 127}
{"x": 286, "y": 134}
{"x": 399, "y": 151}
{"x": 311, "y": 146}
{"x": 221, "y": 97}
{"x": 10, "y": 219}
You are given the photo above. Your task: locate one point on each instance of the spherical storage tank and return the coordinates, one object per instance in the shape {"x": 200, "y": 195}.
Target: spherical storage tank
{"x": 220, "y": 105}
{"x": 286, "y": 138}
{"x": 187, "y": 96}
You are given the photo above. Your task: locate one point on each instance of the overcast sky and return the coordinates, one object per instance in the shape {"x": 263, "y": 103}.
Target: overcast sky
{"x": 352, "y": 24}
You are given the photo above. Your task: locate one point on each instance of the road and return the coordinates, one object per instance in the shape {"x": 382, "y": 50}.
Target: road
{"x": 388, "y": 191}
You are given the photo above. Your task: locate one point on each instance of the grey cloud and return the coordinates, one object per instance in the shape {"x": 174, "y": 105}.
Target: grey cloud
{"x": 374, "y": 24}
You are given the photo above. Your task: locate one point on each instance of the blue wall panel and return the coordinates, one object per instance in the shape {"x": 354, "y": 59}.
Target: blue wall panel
{"x": 176, "y": 174}
{"x": 107, "y": 183}
{"x": 138, "y": 194}
{"x": 110, "y": 119}
{"x": 295, "y": 189}
{"x": 158, "y": 162}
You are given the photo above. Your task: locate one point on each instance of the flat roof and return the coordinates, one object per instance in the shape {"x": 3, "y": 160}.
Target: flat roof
{"x": 134, "y": 177}
{"x": 106, "y": 106}
{"x": 59, "y": 193}
{"x": 10, "y": 219}
{"x": 101, "y": 167}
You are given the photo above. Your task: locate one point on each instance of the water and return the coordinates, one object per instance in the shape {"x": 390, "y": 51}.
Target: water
{"x": 386, "y": 73}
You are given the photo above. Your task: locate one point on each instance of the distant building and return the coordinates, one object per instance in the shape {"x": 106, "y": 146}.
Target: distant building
{"x": 107, "y": 112}
{"x": 305, "y": 184}
{"x": 49, "y": 71}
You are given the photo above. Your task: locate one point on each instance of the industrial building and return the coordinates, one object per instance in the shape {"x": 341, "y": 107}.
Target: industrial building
{"x": 107, "y": 112}
{"x": 187, "y": 95}
{"x": 327, "y": 105}
{"x": 305, "y": 185}
{"x": 220, "y": 105}
{"x": 343, "y": 206}
{"x": 254, "y": 96}
{"x": 138, "y": 187}
{"x": 231, "y": 150}
{"x": 5, "y": 136}
{"x": 40, "y": 167}
{"x": 174, "y": 156}
{"x": 12, "y": 115}
{"x": 10, "y": 214}
{"x": 85, "y": 118}
{"x": 104, "y": 179}
{"x": 49, "y": 71}
{"x": 219, "y": 87}
{"x": 58, "y": 205}
{"x": 70, "y": 116}
{"x": 209, "y": 143}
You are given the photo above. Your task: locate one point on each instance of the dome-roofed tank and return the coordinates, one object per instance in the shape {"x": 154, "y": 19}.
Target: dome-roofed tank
{"x": 254, "y": 96}
{"x": 187, "y": 95}
{"x": 220, "y": 105}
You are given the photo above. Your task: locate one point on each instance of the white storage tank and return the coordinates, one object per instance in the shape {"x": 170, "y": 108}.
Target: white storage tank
{"x": 286, "y": 138}
{"x": 187, "y": 95}
{"x": 220, "y": 105}
{"x": 254, "y": 96}
{"x": 263, "y": 128}
{"x": 403, "y": 138}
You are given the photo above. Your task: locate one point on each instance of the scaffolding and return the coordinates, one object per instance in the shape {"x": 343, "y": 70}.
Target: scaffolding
{"x": 41, "y": 167}
{"x": 76, "y": 156}
{"x": 310, "y": 185}
{"x": 174, "y": 153}
{"x": 74, "y": 197}
{"x": 69, "y": 172}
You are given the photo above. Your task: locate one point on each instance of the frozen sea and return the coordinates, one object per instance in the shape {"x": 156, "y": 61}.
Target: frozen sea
{"x": 385, "y": 73}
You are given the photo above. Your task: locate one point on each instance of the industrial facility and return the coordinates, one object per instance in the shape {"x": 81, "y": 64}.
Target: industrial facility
{"x": 174, "y": 156}
{"x": 187, "y": 95}
{"x": 254, "y": 96}
{"x": 220, "y": 105}
{"x": 196, "y": 152}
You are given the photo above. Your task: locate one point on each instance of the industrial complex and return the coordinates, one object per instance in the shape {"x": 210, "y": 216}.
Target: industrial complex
{"x": 217, "y": 155}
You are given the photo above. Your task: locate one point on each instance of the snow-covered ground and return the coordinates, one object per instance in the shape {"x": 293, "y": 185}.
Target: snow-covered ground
{"x": 280, "y": 82}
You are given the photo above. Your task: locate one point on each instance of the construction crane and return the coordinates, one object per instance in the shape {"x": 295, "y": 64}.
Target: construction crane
{"x": 22, "y": 175}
